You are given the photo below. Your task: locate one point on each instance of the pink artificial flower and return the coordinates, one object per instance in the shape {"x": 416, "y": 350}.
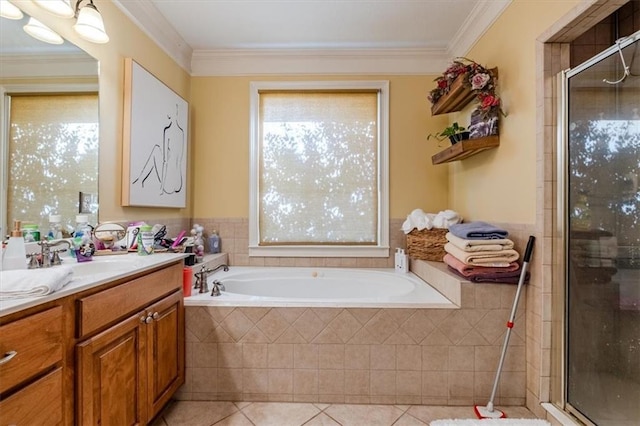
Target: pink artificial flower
{"x": 442, "y": 83}
{"x": 478, "y": 81}
{"x": 489, "y": 101}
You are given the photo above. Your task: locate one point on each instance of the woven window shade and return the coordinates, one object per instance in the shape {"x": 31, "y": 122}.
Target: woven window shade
{"x": 53, "y": 155}
{"x": 318, "y": 168}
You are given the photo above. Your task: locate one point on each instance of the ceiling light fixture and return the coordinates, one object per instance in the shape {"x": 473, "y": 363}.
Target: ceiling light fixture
{"x": 89, "y": 24}
{"x": 40, "y": 31}
{"x": 61, "y": 8}
{"x": 9, "y": 10}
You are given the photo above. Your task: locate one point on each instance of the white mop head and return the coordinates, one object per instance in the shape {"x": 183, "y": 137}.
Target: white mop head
{"x": 490, "y": 422}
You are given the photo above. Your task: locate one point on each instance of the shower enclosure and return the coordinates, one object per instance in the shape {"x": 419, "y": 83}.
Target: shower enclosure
{"x": 601, "y": 168}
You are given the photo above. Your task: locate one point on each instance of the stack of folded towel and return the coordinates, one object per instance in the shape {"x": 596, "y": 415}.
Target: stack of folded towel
{"x": 481, "y": 252}
{"x": 21, "y": 283}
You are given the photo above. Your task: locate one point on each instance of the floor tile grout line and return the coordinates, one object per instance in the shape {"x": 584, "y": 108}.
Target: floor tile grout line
{"x": 320, "y": 413}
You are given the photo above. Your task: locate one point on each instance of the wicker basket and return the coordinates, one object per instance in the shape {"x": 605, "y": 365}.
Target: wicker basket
{"x": 427, "y": 244}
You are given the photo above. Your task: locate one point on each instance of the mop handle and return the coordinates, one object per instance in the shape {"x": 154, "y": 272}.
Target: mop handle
{"x": 523, "y": 274}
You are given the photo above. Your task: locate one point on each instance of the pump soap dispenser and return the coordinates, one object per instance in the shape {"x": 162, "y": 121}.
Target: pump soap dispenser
{"x": 15, "y": 255}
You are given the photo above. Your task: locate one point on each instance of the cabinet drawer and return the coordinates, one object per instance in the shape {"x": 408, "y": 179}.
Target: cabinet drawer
{"x": 37, "y": 343}
{"x": 103, "y": 308}
{"x": 40, "y": 403}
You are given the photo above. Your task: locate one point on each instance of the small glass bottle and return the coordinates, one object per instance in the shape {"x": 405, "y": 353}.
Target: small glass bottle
{"x": 55, "y": 227}
{"x": 214, "y": 242}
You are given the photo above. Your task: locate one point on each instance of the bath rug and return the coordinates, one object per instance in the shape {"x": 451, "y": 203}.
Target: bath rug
{"x": 490, "y": 422}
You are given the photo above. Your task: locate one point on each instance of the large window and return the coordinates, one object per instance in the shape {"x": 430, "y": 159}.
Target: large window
{"x": 319, "y": 169}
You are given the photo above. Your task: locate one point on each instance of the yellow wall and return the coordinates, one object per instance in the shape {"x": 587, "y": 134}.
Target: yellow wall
{"x": 500, "y": 184}
{"x": 220, "y": 108}
{"x": 497, "y": 185}
{"x": 126, "y": 40}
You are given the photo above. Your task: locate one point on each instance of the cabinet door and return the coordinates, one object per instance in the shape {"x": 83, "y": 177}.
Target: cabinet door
{"x": 165, "y": 350}
{"x": 111, "y": 375}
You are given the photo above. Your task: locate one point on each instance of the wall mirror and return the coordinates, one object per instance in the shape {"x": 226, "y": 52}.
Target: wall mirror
{"x": 49, "y": 130}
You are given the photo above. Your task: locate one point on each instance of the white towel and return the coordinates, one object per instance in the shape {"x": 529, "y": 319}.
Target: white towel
{"x": 20, "y": 283}
{"x": 420, "y": 220}
{"x": 479, "y": 245}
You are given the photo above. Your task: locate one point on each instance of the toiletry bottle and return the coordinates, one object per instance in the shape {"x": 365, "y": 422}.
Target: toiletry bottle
{"x": 14, "y": 255}
{"x": 30, "y": 232}
{"x": 145, "y": 240}
{"x": 55, "y": 227}
{"x": 214, "y": 242}
{"x": 82, "y": 227}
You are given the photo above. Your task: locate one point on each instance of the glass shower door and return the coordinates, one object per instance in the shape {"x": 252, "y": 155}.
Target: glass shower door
{"x": 603, "y": 239}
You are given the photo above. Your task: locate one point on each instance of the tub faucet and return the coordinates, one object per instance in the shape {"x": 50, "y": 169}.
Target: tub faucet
{"x": 224, "y": 267}
{"x": 201, "y": 279}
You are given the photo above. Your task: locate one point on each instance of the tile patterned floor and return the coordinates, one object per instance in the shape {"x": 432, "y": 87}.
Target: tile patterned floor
{"x": 218, "y": 413}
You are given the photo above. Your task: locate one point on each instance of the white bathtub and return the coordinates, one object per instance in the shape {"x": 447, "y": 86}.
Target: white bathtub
{"x": 312, "y": 287}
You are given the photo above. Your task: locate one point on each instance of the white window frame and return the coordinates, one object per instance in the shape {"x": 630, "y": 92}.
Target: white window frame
{"x": 382, "y": 247}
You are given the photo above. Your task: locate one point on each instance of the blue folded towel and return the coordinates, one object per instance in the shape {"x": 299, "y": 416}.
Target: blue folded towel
{"x": 477, "y": 231}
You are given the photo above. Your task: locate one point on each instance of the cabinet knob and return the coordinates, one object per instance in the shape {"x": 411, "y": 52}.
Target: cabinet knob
{"x": 148, "y": 319}
{"x": 7, "y": 357}
{"x": 156, "y": 315}
{"x": 143, "y": 319}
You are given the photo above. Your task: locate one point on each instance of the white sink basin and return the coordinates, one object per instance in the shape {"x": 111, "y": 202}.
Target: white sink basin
{"x": 101, "y": 266}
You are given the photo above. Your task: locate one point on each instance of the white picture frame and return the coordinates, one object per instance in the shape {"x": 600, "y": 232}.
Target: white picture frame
{"x": 155, "y": 141}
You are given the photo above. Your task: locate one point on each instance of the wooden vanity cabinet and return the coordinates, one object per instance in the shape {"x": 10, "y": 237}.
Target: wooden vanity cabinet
{"x": 127, "y": 372}
{"x": 31, "y": 369}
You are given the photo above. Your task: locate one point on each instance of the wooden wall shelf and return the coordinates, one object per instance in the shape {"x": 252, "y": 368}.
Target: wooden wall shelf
{"x": 465, "y": 149}
{"x": 458, "y": 97}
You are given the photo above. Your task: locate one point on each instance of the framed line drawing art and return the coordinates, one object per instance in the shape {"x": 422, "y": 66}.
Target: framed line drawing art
{"x": 155, "y": 141}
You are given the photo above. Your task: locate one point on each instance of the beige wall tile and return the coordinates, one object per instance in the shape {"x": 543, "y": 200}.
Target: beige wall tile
{"x": 331, "y": 356}
{"x": 356, "y": 382}
{"x": 229, "y": 355}
{"x": 460, "y": 384}
{"x": 435, "y": 358}
{"x": 383, "y": 382}
{"x": 229, "y": 380}
{"x": 280, "y": 381}
{"x": 460, "y": 358}
{"x": 383, "y": 357}
{"x": 203, "y": 354}
{"x": 435, "y": 384}
{"x": 255, "y": 381}
{"x": 409, "y": 383}
{"x": 409, "y": 357}
{"x": 280, "y": 356}
{"x": 204, "y": 380}
{"x": 305, "y": 382}
{"x": 356, "y": 357}
{"x": 254, "y": 355}
{"x": 331, "y": 382}
{"x": 305, "y": 356}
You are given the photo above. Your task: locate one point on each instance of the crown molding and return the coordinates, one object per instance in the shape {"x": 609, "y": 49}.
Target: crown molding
{"x": 231, "y": 62}
{"x": 149, "y": 19}
{"x": 318, "y": 61}
{"x": 483, "y": 15}
{"x": 47, "y": 66}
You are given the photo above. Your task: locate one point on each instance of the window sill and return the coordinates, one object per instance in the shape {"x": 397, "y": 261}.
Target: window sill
{"x": 318, "y": 251}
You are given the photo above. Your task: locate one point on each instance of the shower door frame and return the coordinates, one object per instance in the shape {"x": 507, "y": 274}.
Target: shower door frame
{"x": 562, "y": 197}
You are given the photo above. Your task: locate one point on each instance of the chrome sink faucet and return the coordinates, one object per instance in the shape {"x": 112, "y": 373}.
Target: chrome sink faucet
{"x": 48, "y": 258}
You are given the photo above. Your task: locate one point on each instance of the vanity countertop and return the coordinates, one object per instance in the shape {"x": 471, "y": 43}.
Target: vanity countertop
{"x": 101, "y": 270}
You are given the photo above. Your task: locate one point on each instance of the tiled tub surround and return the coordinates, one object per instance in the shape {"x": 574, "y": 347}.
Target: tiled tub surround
{"x": 357, "y": 355}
